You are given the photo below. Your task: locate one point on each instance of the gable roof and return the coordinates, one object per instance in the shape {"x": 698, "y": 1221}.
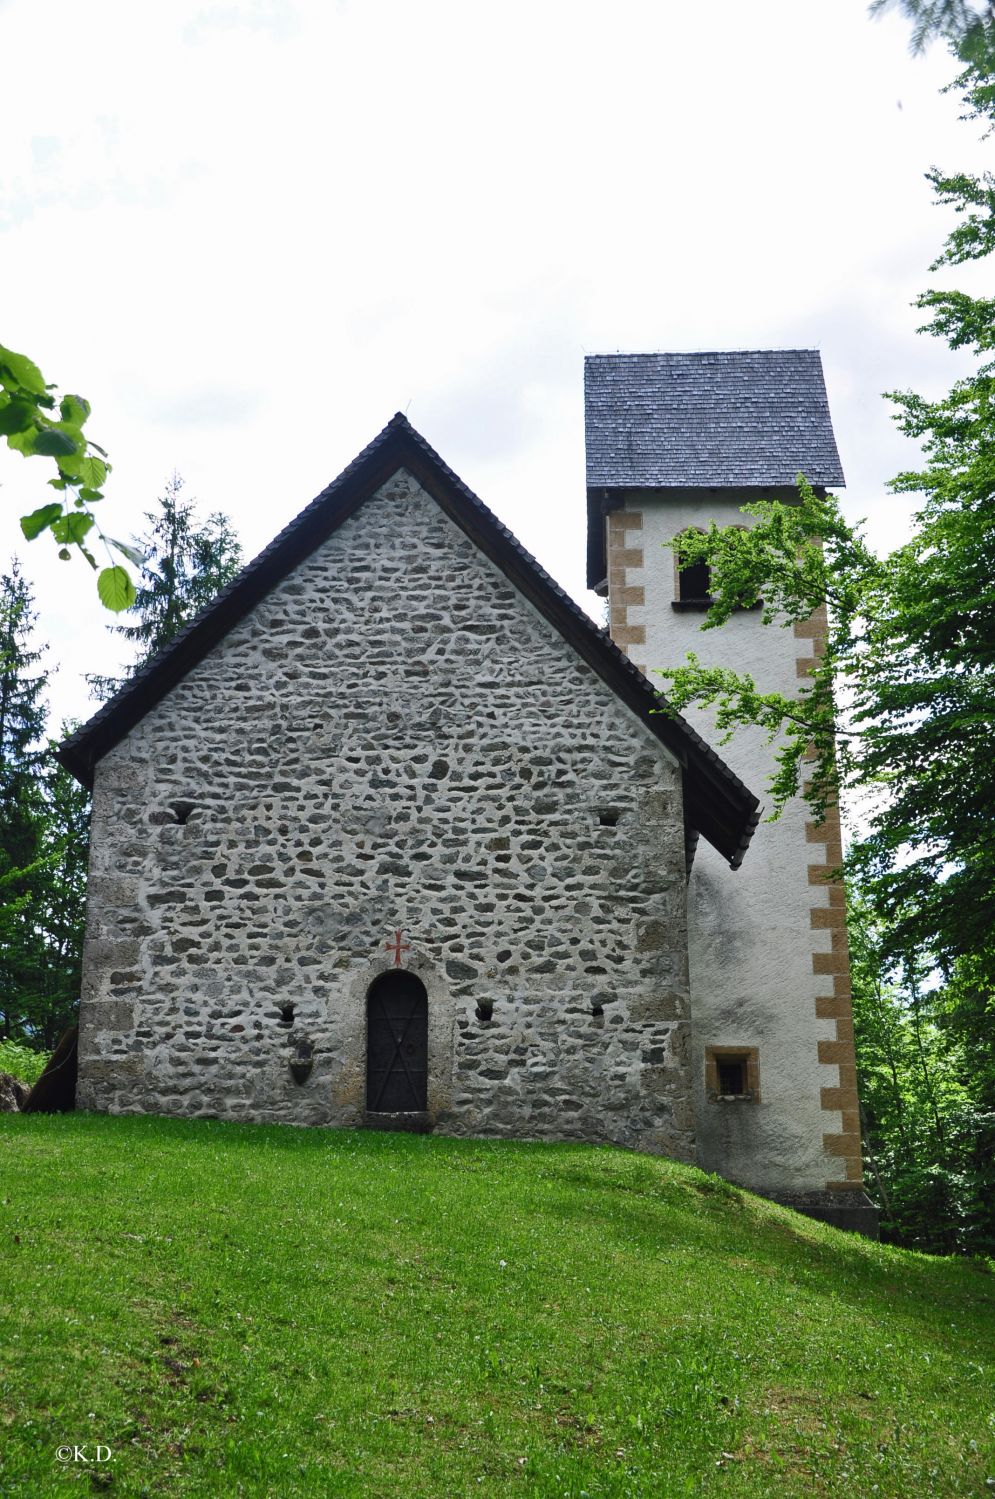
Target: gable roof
{"x": 717, "y": 804}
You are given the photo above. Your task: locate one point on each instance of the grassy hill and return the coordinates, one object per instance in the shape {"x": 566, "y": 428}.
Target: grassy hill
{"x": 268, "y": 1311}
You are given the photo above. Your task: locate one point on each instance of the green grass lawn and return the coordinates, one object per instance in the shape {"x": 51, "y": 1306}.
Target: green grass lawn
{"x": 269, "y": 1311}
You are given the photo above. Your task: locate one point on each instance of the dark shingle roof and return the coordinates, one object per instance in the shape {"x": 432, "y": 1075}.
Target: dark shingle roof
{"x": 717, "y": 804}
{"x": 744, "y": 418}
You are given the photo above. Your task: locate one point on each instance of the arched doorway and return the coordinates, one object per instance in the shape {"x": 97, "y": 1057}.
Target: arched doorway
{"x": 397, "y": 1044}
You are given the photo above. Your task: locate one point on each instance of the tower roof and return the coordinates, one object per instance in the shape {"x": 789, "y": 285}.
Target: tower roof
{"x": 737, "y": 419}
{"x": 744, "y": 418}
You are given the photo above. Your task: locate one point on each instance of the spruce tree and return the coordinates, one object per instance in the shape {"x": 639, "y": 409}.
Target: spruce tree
{"x": 186, "y": 564}
{"x": 22, "y": 805}
{"x": 61, "y": 899}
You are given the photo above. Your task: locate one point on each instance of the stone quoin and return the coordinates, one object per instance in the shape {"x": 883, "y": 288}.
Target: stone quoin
{"x": 394, "y": 836}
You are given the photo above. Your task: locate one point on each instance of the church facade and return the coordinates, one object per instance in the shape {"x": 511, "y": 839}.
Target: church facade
{"x": 394, "y": 836}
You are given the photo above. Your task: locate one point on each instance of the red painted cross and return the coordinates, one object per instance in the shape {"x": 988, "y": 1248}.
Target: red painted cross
{"x": 397, "y": 947}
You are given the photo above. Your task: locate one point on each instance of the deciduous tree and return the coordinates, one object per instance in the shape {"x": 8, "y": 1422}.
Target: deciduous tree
{"x": 910, "y": 653}
{"x": 37, "y": 424}
{"x": 897, "y": 716}
{"x": 960, "y": 22}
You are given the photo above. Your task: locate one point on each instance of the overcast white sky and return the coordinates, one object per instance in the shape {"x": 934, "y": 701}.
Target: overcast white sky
{"x": 249, "y": 232}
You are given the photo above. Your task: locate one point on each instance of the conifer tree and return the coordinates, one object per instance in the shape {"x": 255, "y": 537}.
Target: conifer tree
{"x": 22, "y": 808}
{"x": 44, "y": 842}
{"x": 61, "y": 900}
{"x": 186, "y": 565}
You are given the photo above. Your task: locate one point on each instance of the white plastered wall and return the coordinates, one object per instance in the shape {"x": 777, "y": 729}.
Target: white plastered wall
{"x": 751, "y": 932}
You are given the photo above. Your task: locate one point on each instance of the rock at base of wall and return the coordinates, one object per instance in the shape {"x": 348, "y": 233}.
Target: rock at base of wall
{"x": 12, "y": 1093}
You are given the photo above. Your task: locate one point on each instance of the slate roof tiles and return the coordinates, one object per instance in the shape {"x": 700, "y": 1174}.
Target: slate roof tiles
{"x": 743, "y": 418}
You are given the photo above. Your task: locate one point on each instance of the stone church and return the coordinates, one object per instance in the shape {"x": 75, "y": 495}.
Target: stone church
{"x": 394, "y": 836}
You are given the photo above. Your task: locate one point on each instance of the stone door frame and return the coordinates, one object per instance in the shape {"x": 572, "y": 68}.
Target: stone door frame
{"x": 441, "y": 1032}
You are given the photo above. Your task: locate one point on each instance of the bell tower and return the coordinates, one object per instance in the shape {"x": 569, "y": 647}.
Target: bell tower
{"x": 677, "y": 441}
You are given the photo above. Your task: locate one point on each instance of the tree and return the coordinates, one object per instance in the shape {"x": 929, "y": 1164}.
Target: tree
{"x": 910, "y": 652}
{"x": 22, "y": 723}
{"x": 60, "y": 908}
{"x": 896, "y": 716}
{"x": 44, "y": 841}
{"x": 185, "y": 566}
{"x": 929, "y": 1133}
{"x": 28, "y": 422}
{"x": 956, "y": 21}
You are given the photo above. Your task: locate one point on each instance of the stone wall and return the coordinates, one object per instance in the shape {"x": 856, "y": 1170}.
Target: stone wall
{"x": 393, "y": 740}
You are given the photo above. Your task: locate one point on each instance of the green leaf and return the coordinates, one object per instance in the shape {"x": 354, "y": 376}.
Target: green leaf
{"x": 32, "y": 525}
{"x": 132, "y": 553}
{"x": 116, "y": 590}
{"x": 74, "y": 409}
{"x": 64, "y": 554}
{"x": 72, "y": 528}
{"x": 16, "y": 416}
{"x": 20, "y": 370}
{"x": 89, "y": 471}
{"x": 23, "y": 442}
{"x": 58, "y": 484}
{"x": 51, "y": 443}
{"x": 79, "y": 525}
{"x": 90, "y": 494}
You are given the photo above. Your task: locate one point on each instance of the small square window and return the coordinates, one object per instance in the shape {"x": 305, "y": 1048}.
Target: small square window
{"x": 732, "y": 1074}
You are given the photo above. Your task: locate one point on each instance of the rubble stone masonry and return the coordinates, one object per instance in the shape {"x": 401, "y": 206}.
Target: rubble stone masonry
{"x": 393, "y": 740}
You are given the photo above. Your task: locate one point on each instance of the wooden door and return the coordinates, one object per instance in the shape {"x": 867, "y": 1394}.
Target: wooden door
{"x": 397, "y": 1045}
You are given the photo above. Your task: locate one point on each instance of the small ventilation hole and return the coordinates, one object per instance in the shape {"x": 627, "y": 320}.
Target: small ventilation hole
{"x": 485, "y": 1009}
{"x": 182, "y": 810}
{"x": 608, "y": 817}
{"x": 286, "y": 1014}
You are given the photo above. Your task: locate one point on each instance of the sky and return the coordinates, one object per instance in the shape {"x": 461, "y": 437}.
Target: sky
{"x": 249, "y": 232}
